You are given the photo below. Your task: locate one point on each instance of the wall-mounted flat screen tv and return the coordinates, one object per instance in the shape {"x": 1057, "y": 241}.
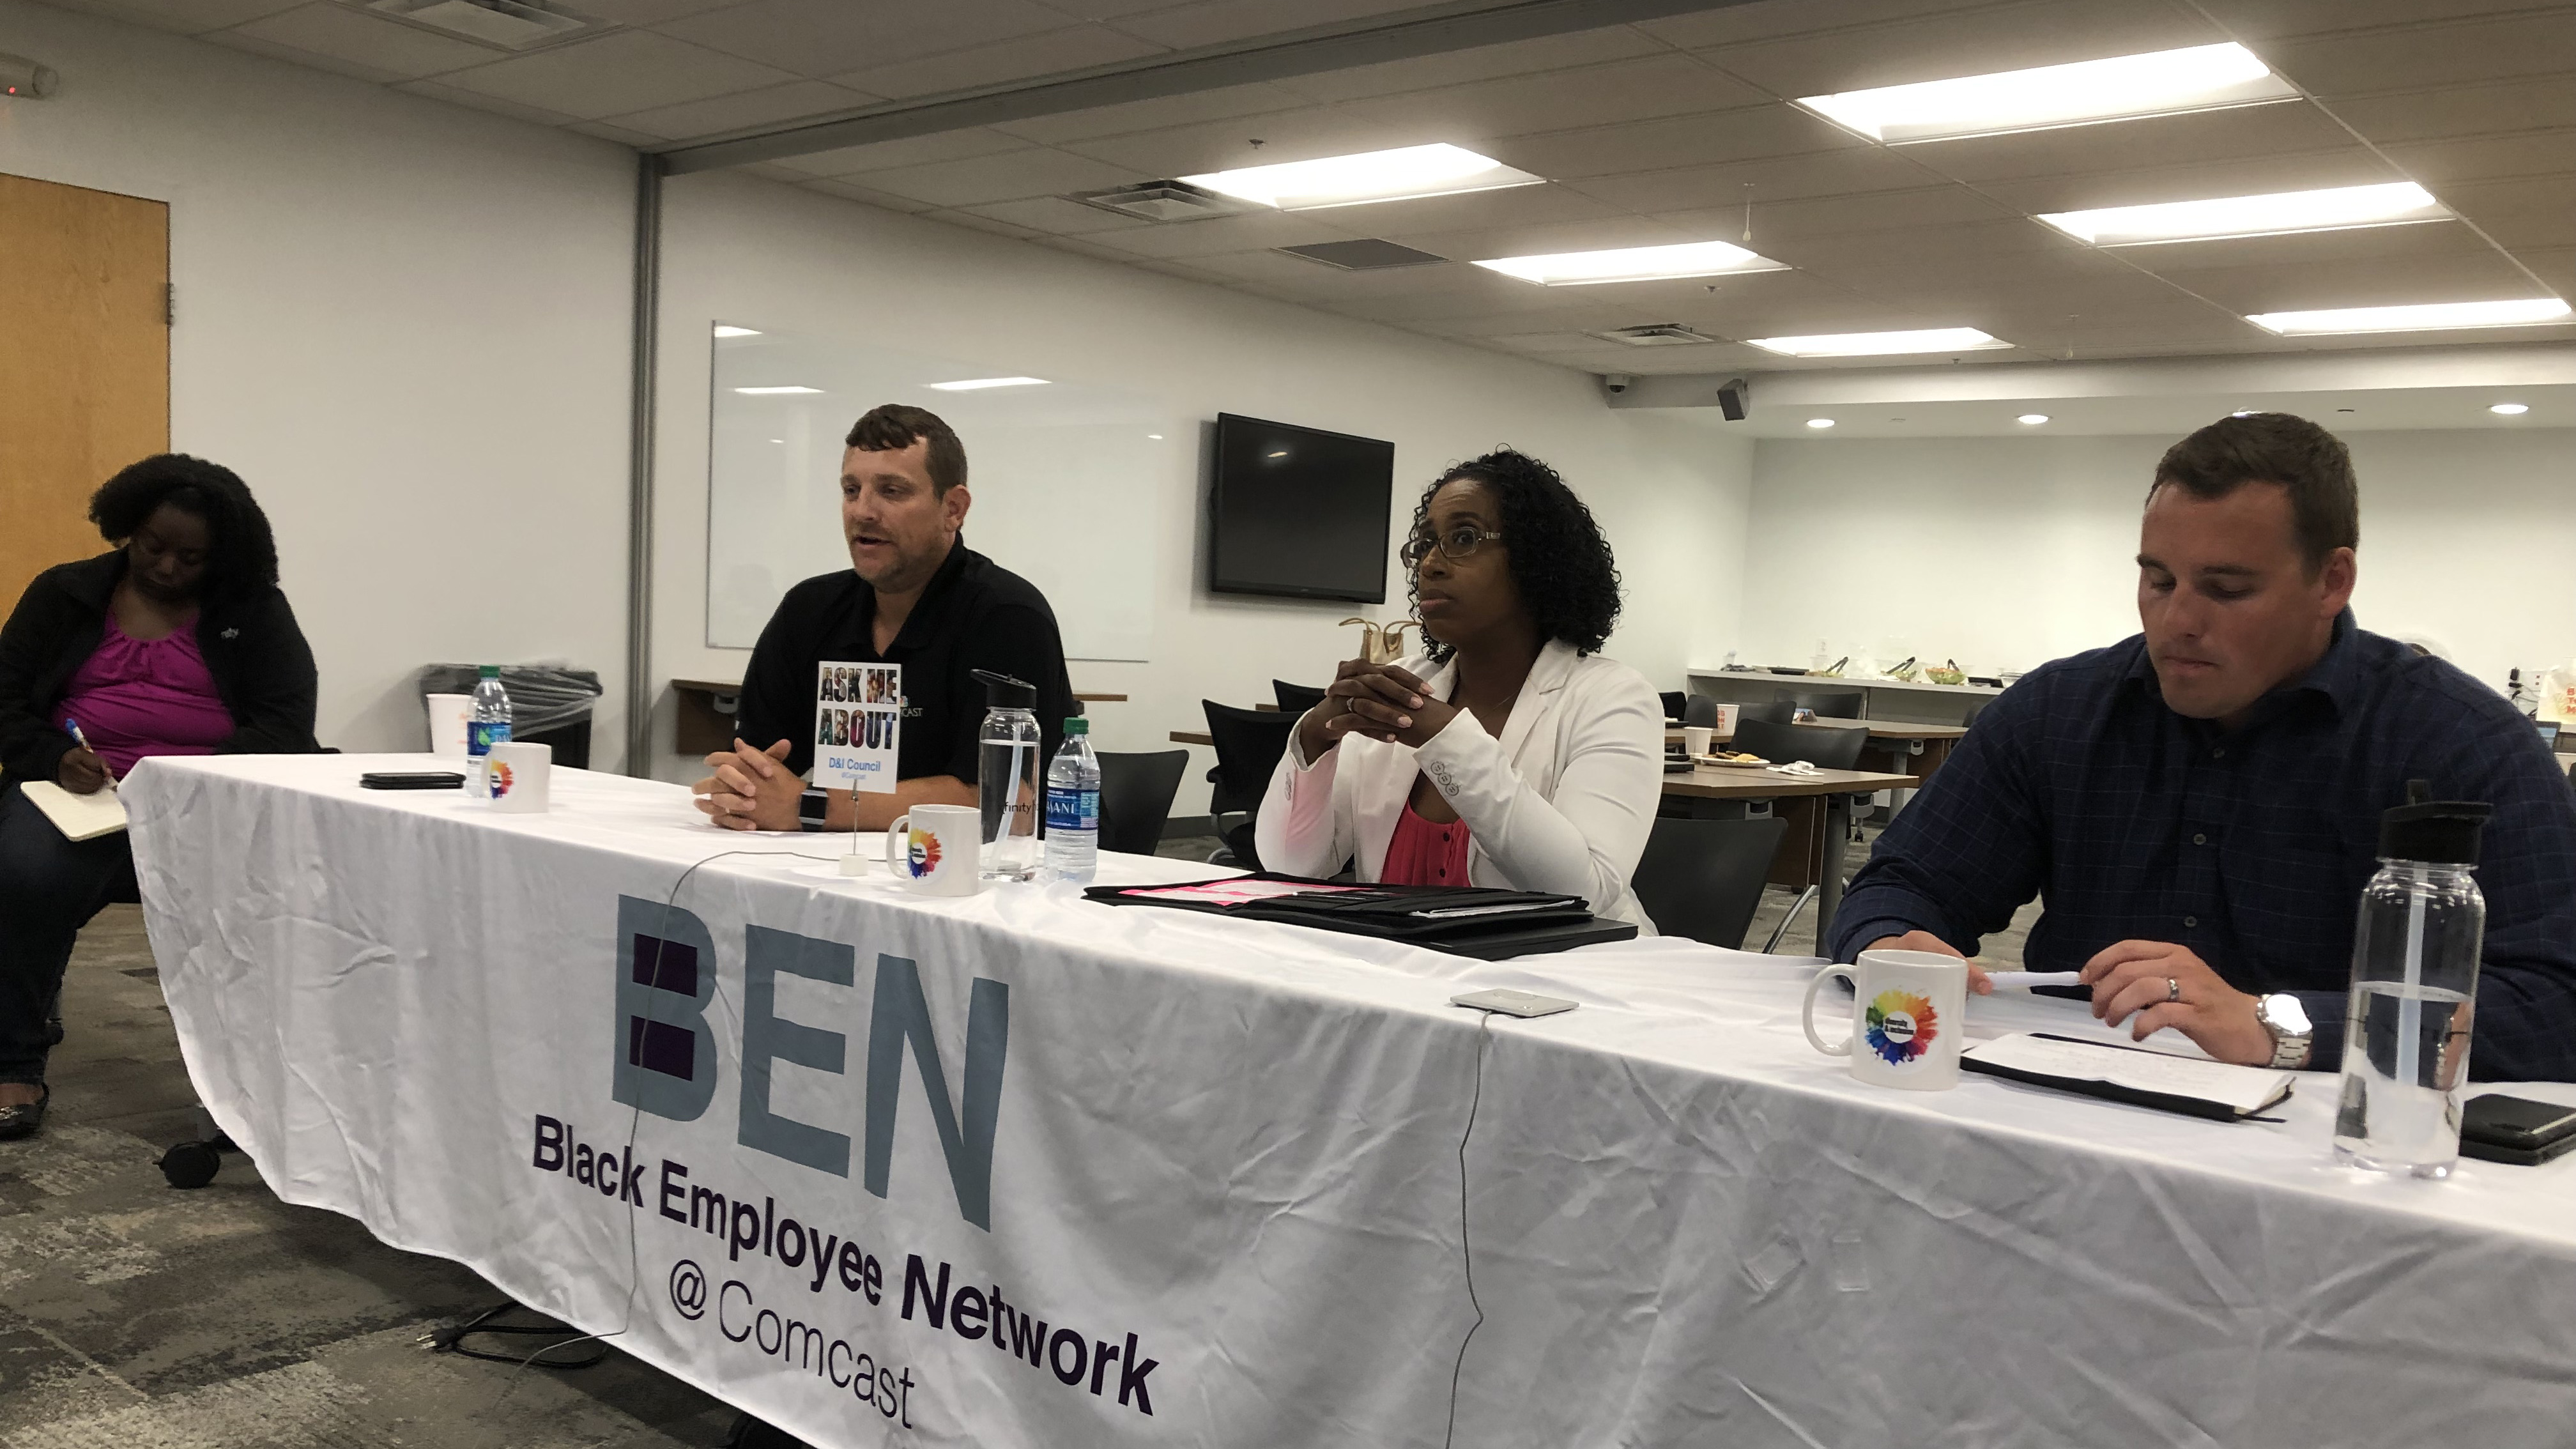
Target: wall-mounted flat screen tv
{"x": 1298, "y": 512}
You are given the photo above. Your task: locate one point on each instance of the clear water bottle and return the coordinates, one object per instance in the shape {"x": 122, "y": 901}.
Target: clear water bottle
{"x": 1007, "y": 776}
{"x": 1073, "y": 806}
{"x": 489, "y": 725}
{"x": 2414, "y": 981}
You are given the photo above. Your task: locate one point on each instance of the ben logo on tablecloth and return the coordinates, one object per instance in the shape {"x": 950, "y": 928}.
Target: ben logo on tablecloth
{"x": 666, "y": 1061}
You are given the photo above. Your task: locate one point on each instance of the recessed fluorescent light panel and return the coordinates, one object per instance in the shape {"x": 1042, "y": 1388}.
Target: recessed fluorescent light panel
{"x": 2334, "y": 209}
{"x": 1397, "y": 175}
{"x": 726, "y": 330}
{"x": 1881, "y": 344}
{"x": 978, "y": 384}
{"x": 2031, "y": 420}
{"x": 2509, "y": 410}
{"x": 2428, "y": 317}
{"x": 773, "y": 391}
{"x": 1820, "y": 422}
{"x": 2164, "y": 82}
{"x": 1634, "y": 264}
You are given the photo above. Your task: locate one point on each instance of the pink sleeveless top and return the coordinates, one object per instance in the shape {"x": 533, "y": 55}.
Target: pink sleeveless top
{"x": 1422, "y": 853}
{"x": 136, "y": 698}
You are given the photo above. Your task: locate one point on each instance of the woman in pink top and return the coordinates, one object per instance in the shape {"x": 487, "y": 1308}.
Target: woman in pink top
{"x": 176, "y": 642}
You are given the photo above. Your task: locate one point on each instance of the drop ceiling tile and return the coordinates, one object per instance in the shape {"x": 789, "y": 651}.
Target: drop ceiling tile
{"x": 973, "y": 222}
{"x": 441, "y": 90}
{"x": 1887, "y": 269}
{"x": 1628, "y": 90}
{"x": 1549, "y": 239}
{"x": 252, "y": 44}
{"x": 615, "y": 75}
{"x": 2439, "y": 164}
{"x": 649, "y": 12}
{"x": 340, "y": 32}
{"x": 1218, "y": 235}
{"x": 2155, "y": 141}
{"x": 1009, "y": 176}
{"x": 2554, "y": 266}
{"x": 1485, "y": 62}
{"x": 833, "y": 37}
{"x": 1160, "y": 114}
{"x": 188, "y": 17}
{"x": 2002, "y": 242}
{"x": 1510, "y": 206}
{"x": 1047, "y": 52}
{"x": 769, "y": 106}
{"x": 2250, "y": 176}
{"x": 2485, "y": 110}
{"x": 2297, "y": 286}
{"x": 1964, "y": 43}
{"x": 911, "y": 151}
{"x": 1777, "y": 224}
{"x": 1699, "y": 140}
{"x": 1214, "y": 22}
{"x": 1792, "y": 178}
{"x": 2437, "y": 239}
{"x": 1058, "y": 217}
{"x": 1298, "y": 135}
{"x": 2537, "y": 212}
{"x": 2466, "y": 53}
{"x": 2251, "y": 20}
{"x": 1741, "y": 24}
{"x": 619, "y": 134}
{"x": 883, "y": 201}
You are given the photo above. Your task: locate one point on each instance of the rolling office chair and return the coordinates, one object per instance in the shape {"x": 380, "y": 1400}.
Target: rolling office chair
{"x": 1699, "y": 711}
{"x": 1676, "y": 701}
{"x": 1136, "y": 793}
{"x": 1295, "y": 698}
{"x": 1827, "y": 747}
{"x": 1703, "y": 878}
{"x": 1778, "y": 712}
{"x": 1249, "y": 743}
{"x": 1827, "y": 703}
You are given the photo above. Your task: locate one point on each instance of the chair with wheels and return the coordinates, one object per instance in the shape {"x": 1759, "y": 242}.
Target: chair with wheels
{"x": 1136, "y": 793}
{"x": 1703, "y": 878}
{"x": 1827, "y": 703}
{"x": 1827, "y": 747}
{"x": 1249, "y": 743}
{"x": 1295, "y": 698}
{"x": 1778, "y": 712}
{"x": 1676, "y": 703}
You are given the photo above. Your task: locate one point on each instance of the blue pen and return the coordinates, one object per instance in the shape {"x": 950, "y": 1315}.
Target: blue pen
{"x": 82, "y": 740}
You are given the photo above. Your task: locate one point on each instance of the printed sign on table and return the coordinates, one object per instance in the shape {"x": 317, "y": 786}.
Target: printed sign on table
{"x": 858, "y": 713}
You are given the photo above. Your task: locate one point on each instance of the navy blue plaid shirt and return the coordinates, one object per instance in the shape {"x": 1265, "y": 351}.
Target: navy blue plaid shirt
{"x": 2131, "y": 822}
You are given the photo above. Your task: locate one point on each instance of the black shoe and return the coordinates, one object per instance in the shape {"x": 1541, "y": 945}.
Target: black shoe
{"x": 53, "y": 1031}
{"x": 24, "y": 1119}
{"x": 752, "y": 1433}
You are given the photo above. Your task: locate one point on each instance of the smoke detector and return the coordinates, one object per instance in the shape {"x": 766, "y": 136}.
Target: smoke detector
{"x": 1162, "y": 201}
{"x": 509, "y": 24}
{"x": 1655, "y": 334}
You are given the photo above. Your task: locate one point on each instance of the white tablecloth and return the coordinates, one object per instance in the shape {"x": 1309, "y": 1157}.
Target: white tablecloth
{"x": 1231, "y": 1151}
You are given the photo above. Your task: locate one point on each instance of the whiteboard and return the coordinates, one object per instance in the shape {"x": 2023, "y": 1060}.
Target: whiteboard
{"x": 1067, "y": 478}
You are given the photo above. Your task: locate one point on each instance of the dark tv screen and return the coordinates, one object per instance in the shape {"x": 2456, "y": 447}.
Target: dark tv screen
{"x": 1299, "y": 513}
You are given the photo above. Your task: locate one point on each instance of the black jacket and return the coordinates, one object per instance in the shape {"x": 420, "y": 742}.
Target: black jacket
{"x": 263, "y": 669}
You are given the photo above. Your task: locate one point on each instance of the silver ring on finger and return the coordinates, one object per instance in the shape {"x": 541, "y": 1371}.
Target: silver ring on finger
{"x": 2173, "y": 989}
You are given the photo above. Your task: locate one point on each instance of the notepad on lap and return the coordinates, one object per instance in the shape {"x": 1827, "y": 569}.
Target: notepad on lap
{"x": 2189, "y": 1085}
{"x": 78, "y": 817}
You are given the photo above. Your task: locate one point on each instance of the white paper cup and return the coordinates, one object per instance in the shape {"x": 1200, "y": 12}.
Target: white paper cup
{"x": 447, "y": 716}
{"x": 931, "y": 848}
{"x": 515, "y": 776}
{"x": 1695, "y": 739}
{"x": 1727, "y": 717}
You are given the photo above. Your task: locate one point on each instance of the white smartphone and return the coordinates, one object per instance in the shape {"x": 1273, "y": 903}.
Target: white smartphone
{"x": 1513, "y": 1003}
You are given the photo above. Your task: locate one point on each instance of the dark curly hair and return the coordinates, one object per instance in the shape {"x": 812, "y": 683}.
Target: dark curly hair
{"x": 1560, "y": 561}
{"x": 244, "y": 557}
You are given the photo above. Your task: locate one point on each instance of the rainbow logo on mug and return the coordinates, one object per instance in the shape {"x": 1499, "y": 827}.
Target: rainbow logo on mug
{"x": 922, "y": 849}
{"x": 1900, "y": 1026}
{"x": 497, "y": 778}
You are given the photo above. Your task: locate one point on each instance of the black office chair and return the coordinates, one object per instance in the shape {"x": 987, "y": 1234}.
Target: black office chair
{"x": 1249, "y": 743}
{"x": 1136, "y": 793}
{"x": 1703, "y": 878}
{"x": 1699, "y": 710}
{"x": 1970, "y": 719}
{"x": 1827, "y": 747}
{"x": 1778, "y": 711}
{"x": 1675, "y": 701}
{"x": 1295, "y": 698}
{"x": 1827, "y": 703}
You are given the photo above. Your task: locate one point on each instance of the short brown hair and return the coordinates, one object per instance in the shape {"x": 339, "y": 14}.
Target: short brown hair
{"x": 893, "y": 427}
{"x": 2311, "y": 463}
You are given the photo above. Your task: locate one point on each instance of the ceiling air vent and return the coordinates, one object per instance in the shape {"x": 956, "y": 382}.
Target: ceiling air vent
{"x": 1370, "y": 255}
{"x": 509, "y": 24}
{"x": 1162, "y": 201}
{"x": 1655, "y": 334}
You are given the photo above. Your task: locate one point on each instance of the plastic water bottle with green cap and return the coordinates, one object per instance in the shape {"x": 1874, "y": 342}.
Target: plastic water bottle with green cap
{"x": 489, "y": 725}
{"x": 1073, "y": 806}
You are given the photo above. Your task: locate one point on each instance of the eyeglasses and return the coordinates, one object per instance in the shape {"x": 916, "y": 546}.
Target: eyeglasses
{"x": 1457, "y": 545}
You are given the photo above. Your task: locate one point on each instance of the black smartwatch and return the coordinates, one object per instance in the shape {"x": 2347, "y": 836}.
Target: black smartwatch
{"x": 812, "y": 809}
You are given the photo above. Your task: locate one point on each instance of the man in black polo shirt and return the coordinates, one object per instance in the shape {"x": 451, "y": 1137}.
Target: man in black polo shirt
{"x": 915, "y": 595}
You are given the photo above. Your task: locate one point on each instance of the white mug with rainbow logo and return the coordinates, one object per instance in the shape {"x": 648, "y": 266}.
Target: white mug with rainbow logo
{"x": 515, "y": 776}
{"x": 931, "y": 848}
{"x": 1908, "y": 1010}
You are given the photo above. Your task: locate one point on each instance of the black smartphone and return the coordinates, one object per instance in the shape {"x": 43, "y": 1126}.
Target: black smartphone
{"x": 411, "y": 780}
{"x": 2497, "y": 1128}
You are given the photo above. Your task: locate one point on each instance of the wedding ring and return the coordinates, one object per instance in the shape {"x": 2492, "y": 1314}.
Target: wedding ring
{"x": 2173, "y": 989}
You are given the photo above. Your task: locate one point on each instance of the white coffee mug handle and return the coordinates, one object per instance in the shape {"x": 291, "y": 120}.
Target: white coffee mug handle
{"x": 899, "y": 862}
{"x": 1807, "y": 1012}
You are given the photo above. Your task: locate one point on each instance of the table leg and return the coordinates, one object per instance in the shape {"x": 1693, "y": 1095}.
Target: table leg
{"x": 1829, "y": 890}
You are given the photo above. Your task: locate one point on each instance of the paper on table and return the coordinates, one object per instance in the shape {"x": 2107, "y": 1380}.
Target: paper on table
{"x": 78, "y": 817}
{"x": 2244, "y": 1089}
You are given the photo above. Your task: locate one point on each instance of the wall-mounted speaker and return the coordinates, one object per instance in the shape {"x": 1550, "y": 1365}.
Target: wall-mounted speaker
{"x": 1734, "y": 399}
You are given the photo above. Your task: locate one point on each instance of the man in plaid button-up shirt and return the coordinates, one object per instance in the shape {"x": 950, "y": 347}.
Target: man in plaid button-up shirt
{"x": 2198, "y": 806}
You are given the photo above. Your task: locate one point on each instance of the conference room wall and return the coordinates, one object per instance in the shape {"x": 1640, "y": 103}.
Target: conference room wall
{"x": 403, "y": 322}
{"x": 1670, "y": 491}
{"x": 2007, "y": 552}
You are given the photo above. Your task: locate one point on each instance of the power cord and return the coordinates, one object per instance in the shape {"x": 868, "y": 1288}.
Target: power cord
{"x": 1466, "y": 1251}
{"x": 452, "y": 1340}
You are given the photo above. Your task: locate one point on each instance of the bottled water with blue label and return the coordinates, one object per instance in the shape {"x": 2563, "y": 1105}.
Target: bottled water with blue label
{"x": 489, "y": 725}
{"x": 1073, "y": 806}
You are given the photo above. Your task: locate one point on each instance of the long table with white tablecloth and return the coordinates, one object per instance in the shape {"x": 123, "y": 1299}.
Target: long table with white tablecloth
{"x": 1019, "y": 1169}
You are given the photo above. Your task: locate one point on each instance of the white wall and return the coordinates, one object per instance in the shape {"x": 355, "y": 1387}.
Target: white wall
{"x": 2006, "y": 552}
{"x": 1669, "y": 490}
{"x": 403, "y": 322}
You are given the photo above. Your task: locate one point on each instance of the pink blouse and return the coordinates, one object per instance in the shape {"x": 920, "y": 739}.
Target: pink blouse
{"x": 1424, "y": 853}
{"x": 136, "y": 698}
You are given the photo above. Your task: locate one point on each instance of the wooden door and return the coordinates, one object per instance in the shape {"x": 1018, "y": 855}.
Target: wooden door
{"x": 84, "y": 362}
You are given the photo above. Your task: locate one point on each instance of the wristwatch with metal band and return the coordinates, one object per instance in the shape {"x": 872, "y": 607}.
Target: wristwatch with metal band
{"x": 2292, "y": 1038}
{"x": 812, "y": 809}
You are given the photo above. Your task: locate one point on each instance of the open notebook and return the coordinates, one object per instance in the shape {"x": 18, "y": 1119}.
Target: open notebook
{"x": 78, "y": 817}
{"x": 2193, "y": 1086}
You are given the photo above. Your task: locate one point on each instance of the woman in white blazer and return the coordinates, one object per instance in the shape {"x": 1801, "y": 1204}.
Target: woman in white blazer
{"x": 1510, "y": 754}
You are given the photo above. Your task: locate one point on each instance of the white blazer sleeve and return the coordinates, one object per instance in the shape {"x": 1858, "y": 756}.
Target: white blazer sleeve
{"x": 1588, "y": 839}
{"x": 1304, "y": 826}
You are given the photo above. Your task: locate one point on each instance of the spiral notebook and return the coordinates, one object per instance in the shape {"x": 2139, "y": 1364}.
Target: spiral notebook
{"x": 78, "y": 817}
